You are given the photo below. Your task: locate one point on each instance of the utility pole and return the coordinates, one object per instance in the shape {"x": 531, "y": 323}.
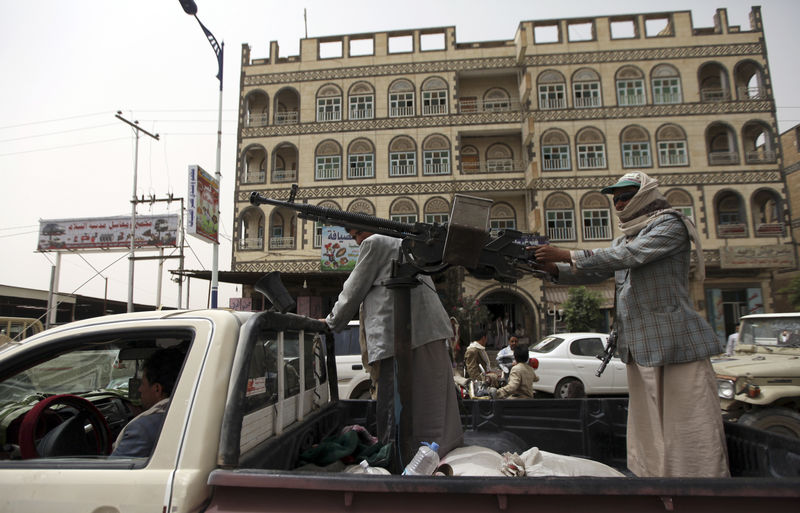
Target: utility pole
{"x": 131, "y": 258}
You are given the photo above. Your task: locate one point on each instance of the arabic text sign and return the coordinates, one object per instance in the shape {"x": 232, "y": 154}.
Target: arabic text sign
{"x": 203, "y": 213}
{"x": 109, "y": 233}
{"x": 339, "y": 250}
{"x": 744, "y": 257}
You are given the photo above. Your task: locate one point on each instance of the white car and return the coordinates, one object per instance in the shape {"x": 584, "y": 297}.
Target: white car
{"x": 568, "y": 365}
{"x": 354, "y": 382}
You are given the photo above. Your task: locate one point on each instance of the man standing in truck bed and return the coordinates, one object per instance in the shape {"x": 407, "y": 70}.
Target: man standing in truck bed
{"x": 435, "y": 404}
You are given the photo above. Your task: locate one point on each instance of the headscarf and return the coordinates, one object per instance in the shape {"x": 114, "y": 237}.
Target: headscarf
{"x": 645, "y": 206}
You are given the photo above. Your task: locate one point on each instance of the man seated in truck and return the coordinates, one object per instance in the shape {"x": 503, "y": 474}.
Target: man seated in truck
{"x": 159, "y": 373}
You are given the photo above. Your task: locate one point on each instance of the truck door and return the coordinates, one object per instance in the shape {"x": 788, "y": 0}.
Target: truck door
{"x": 72, "y": 468}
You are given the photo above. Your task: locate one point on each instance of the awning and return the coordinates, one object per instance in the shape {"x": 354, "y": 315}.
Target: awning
{"x": 558, "y": 294}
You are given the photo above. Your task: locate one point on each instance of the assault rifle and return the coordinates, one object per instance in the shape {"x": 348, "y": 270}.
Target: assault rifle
{"x": 432, "y": 247}
{"x": 609, "y": 351}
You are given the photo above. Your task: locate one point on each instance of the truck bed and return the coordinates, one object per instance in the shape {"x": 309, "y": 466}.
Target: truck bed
{"x": 766, "y": 468}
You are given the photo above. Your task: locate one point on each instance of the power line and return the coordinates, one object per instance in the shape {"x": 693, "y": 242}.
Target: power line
{"x": 53, "y": 120}
{"x": 63, "y": 147}
{"x": 56, "y": 133}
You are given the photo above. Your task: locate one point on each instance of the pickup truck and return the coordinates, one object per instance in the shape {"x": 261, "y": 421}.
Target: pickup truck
{"x": 257, "y": 389}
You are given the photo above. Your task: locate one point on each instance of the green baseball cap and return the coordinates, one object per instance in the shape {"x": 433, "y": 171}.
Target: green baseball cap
{"x": 627, "y": 180}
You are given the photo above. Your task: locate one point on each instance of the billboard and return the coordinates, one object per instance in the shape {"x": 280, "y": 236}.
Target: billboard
{"x": 107, "y": 233}
{"x": 339, "y": 250}
{"x": 202, "y": 218}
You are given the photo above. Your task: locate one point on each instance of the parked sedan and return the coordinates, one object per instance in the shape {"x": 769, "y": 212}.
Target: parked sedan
{"x": 354, "y": 382}
{"x": 568, "y": 365}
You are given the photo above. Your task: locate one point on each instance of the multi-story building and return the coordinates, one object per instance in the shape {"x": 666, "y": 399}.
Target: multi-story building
{"x": 790, "y": 147}
{"x": 395, "y": 123}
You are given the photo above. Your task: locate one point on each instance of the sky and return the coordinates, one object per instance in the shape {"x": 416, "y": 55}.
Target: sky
{"x": 69, "y": 65}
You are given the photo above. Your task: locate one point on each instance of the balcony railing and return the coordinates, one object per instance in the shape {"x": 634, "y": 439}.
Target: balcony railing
{"x": 407, "y": 170}
{"x": 329, "y": 173}
{"x": 401, "y": 112}
{"x": 723, "y": 157}
{"x": 251, "y": 243}
{"x": 596, "y": 232}
{"x": 281, "y": 243}
{"x": 626, "y": 100}
{"x": 732, "y": 230}
{"x": 562, "y": 233}
{"x": 591, "y": 162}
{"x": 666, "y": 98}
{"x": 552, "y": 103}
{"x": 284, "y": 175}
{"x": 361, "y": 114}
{"x": 436, "y": 169}
{"x": 331, "y": 115}
{"x": 428, "y": 110}
{"x": 586, "y": 101}
{"x": 289, "y": 117}
{"x": 494, "y": 166}
{"x": 673, "y": 159}
{"x": 753, "y": 93}
{"x": 470, "y": 106}
{"x": 636, "y": 161}
{"x": 774, "y": 229}
{"x": 254, "y": 176}
{"x": 257, "y": 119}
{"x": 760, "y": 157}
{"x": 361, "y": 172}
{"x": 555, "y": 164}
{"x": 715, "y": 95}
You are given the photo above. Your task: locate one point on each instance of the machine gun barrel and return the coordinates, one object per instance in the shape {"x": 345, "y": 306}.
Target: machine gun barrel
{"x": 350, "y": 220}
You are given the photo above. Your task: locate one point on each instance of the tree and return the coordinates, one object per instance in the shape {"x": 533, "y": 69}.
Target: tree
{"x": 793, "y": 292}
{"x": 582, "y": 310}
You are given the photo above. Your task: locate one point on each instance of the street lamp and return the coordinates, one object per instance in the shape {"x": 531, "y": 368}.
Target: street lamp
{"x": 190, "y": 8}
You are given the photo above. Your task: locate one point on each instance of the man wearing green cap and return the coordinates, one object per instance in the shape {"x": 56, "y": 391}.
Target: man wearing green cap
{"x": 674, "y": 423}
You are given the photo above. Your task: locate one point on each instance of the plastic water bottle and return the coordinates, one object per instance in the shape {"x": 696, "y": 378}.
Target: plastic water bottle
{"x": 424, "y": 462}
{"x": 367, "y": 469}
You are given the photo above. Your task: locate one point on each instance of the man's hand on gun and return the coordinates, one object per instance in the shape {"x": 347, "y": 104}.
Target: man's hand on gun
{"x": 547, "y": 256}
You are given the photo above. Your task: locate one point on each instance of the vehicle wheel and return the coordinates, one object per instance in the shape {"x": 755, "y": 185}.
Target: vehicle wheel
{"x": 569, "y": 388}
{"x": 777, "y": 420}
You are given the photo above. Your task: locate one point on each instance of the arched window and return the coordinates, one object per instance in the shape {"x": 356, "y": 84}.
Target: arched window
{"x": 434, "y": 96}
{"x": 251, "y": 229}
{"x": 591, "y": 147}
{"x": 757, "y": 143}
{"x": 552, "y": 90}
{"x": 361, "y": 159}
{"x": 672, "y": 150}
{"x": 555, "y": 150}
{"x": 666, "y": 83}
{"x": 287, "y": 106}
{"x": 499, "y": 158}
{"x": 596, "y": 215}
{"x": 729, "y": 209}
{"x": 284, "y": 163}
{"x": 436, "y": 155}
{"x": 714, "y": 83}
{"x": 361, "y": 100}
{"x": 749, "y": 79}
{"x": 401, "y": 99}
{"x": 328, "y": 161}
{"x": 403, "y": 210}
{"x": 502, "y": 217}
{"x": 681, "y": 200}
{"x": 767, "y": 211}
{"x": 256, "y": 109}
{"x": 361, "y": 206}
{"x": 496, "y": 100}
{"x": 318, "y": 226}
{"x": 402, "y": 157}
{"x": 437, "y": 210}
{"x": 282, "y": 229}
{"x": 560, "y": 217}
{"x": 721, "y": 144}
{"x": 254, "y": 163}
{"x": 329, "y": 103}
{"x": 630, "y": 86}
{"x": 635, "y": 144}
{"x": 470, "y": 160}
{"x": 586, "y": 89}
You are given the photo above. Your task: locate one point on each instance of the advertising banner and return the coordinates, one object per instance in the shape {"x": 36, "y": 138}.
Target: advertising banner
{"x": 339, "y": 249}
{"x": 202, "y": 218}
{"x": 107, "y": 233}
